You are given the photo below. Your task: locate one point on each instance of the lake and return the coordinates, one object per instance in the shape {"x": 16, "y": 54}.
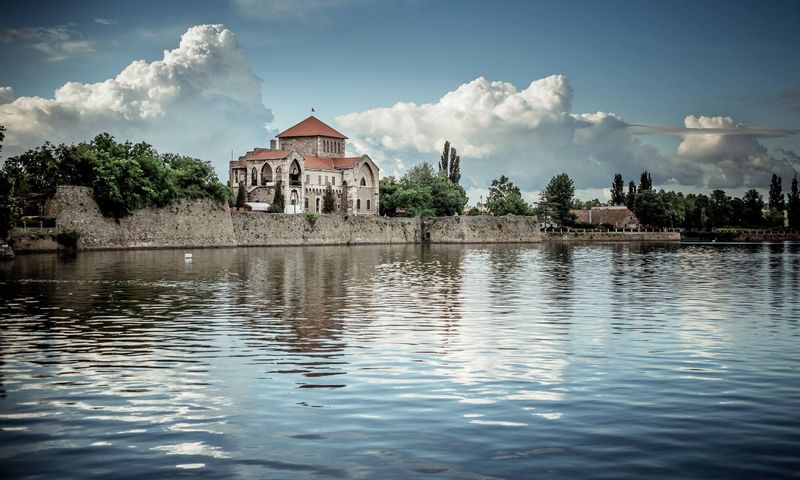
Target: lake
{"x": 547, "y": 361}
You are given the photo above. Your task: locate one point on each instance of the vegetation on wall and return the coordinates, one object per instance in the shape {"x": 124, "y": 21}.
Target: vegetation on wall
{"x": 123, "y": 176}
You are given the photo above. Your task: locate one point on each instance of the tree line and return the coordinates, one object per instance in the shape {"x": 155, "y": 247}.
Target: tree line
{"x": 654, "y": 208}
{"x": 123, "y": 176}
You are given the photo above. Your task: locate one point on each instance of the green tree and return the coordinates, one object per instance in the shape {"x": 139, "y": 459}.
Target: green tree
{"x": 444, "y": 160}
{"x": 720, "y": 211}
{"x": 793, "y": 205}
{"x": 558, "y": 195}
{"x": 505, "y": 198}
{"x": 278, "y": 203}
{"x": 630, "y": 198}
{"x": 2, "y": 137}
{"x": 776, "y": 194}
{"x": 421, "y": 192}
{"x": 650, "y": 209}
{"x": 455, "y": 167}
{"x": 674, "y": 208}
{"x": 328, "y": 200}
{"x": 753, "y": 205}
{"x": 241, "y": 195}
{"x": 645, "y": 182}
{"x": 7, "y": 204}
{"x": 617, "y": 190}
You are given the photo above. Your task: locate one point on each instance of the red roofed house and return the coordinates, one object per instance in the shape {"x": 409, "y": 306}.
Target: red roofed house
{"x": 306, "y": 158}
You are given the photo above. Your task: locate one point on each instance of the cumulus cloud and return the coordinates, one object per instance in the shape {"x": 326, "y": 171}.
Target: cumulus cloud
{"x": 56, "y": 43}
{"x": 730, "y": 159}
{"x": 201, "y": 99}
{"x": 532, "y": 134}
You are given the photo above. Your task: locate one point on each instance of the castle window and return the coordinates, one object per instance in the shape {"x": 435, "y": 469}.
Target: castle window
{"x": 367, "y": 204}
{"x": 358, "y": 204}
{"x": 317, "y": 202}
{"x": 308, "y": 178}
{"x": 254, "y": 179}
{"x": 306, "y": 203}
{"x": 319, "y": 179}
{"x": 363, "y": 182}
{"x": 326, "y": 179}
{"x": 333, "y": 181}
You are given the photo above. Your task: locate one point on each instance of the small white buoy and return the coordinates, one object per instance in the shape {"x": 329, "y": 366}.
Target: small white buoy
{"x": 187, "y": 255}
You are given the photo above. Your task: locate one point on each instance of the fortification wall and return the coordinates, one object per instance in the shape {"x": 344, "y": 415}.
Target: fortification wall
{"x": 264, "y": 229}
{"x": 186, "y": 223}
{"x": 481, "y": 229}
{"x": 574, "y": 236}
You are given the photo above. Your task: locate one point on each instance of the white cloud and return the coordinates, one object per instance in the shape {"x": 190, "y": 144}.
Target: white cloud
{"x": 6, "y": 95}
{"x": 56, "y": 43}
{"x": 105, "y": 21}
{"x": 730, "y": 159}
{"x": 527, "y": 134}
{"x": 202, "y": 99}
{"x": 531, "y": 135}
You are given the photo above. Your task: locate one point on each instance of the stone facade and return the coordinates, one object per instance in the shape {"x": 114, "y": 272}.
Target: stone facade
{"x": 309, "y": 157}
{"x": 481, "y": 229}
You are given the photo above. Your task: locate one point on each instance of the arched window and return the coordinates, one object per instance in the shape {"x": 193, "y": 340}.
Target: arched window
{"x": 317, "y": 204}
{"x": 266, "y": 174}
{"x": 367, "y": 204}
{"x": 363, "y": 182}
{"x": 306, "y": 203}
{"x": 358, "y": 204}
{"x": 254, "y": 179}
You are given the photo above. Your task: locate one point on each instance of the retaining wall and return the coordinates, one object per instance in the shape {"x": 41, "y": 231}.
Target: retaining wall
{"x": 186, "y": 223}
{"x": 481, "y": 229}
{"x": 612, "y": 237}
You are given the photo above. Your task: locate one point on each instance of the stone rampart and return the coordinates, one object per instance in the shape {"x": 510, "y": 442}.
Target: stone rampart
{"x": 265, "y": 229}
{"x": 481, "y": 229}
{"x": 186, "y": 223}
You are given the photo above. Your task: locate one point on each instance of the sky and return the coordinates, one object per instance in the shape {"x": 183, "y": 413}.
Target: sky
{"x": 702, "y": 95}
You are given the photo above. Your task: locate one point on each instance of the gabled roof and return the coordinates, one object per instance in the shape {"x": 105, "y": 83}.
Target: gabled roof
{"x": 311, "y": 127}
{"x": 328, "y": 163}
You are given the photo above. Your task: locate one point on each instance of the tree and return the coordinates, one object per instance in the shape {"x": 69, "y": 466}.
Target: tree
{"x": 793, "y": 206}
{"x": 645, "y": 182}
{"x": 617, "y": 190}
{"x": 2, "y": 137}
{"x": 7, "y": 204}
{"x": 720, "y": 211}
{"x": 753, "y": 205}
{"x": 450, "y": 164}
{"x": 277, "y": 205}
{"x": 444, "y": 160}
{"x": 558, "y": 195}
{"x": 776, "y": 194}
{"x": 328, "y": 200}
{"x": 630, "y": 198}
{"x": 455, "y": 167}
{"x": 505, "y": 198}
{"x": 649, "y": 208}
{"x": 241, "y": 196}
{"x": 421, "y": 192}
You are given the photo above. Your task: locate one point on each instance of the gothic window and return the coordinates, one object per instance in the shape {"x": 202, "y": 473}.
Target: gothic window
{"x": 358, "y": 204}
{"x": 363, "y": 182}
{"x": 254, "y": 179}
{"x": 306, "y": 203}
{"x": 317, "y": 202}
{"x": 266, "y": 174}
{"x": 367, "y": 204}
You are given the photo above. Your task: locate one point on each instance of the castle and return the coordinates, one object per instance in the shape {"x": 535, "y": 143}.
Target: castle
{"x": 306, "y": 158}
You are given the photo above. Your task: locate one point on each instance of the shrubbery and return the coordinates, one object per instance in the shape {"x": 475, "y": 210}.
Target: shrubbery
{"x": 124, "y": 176}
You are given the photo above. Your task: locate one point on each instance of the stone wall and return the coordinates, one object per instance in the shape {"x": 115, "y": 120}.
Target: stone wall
{"x": 574, "y": 236}
{"x": 186, "y": 223}
{"x": 264, "y": 229}
{"x": 481, "y": 229}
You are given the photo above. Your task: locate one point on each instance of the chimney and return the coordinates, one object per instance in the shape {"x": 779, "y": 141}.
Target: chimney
{"x": 272, "y": 144}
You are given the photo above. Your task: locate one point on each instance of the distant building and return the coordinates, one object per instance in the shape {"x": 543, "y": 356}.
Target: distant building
{"x": 306, "y": 158}
{"x": 615, "y": 216}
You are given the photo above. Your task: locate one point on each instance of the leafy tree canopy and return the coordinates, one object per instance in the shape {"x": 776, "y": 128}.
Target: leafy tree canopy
{"x": 505, "y": 198}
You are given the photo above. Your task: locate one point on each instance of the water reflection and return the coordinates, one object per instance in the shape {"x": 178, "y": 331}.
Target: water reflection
{"x": 618, "y": 360}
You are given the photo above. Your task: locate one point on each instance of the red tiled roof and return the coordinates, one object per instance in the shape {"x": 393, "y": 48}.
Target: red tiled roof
{"x": 328, "y": 163}
{"x": 238, "y": 165}
{"x": 264, "y": 154}
{"x": 311, "y": 127}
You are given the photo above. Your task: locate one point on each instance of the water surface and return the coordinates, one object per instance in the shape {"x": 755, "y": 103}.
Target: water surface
{"x": 547, "y": 361}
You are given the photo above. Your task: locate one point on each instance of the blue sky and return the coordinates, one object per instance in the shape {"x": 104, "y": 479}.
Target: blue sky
{"x": 647, "y": 62}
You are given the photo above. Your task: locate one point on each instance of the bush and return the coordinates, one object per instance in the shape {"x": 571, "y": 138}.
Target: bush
{"x": 68, "y": 238}
{"x": 312, "y": 218}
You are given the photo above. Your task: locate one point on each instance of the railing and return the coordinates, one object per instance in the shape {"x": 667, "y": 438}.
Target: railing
{"x": 608, "y": 230}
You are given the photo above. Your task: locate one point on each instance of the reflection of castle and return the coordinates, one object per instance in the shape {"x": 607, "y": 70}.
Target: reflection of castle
{"x": 310, "y": 156}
